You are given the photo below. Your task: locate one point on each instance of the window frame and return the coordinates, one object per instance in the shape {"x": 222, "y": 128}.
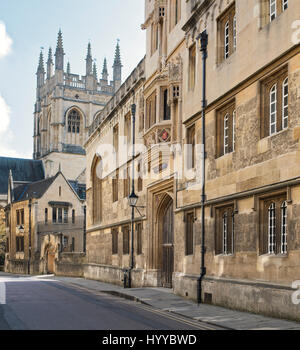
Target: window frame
{"x": 115, "y": 238}
{"x": 97, "y": 193}
{"x": 225, "y": 230}
{"x": 227, "y": 33}
{"x": 74, "y": 121}
{"x": 139, "y": 238}
{"x": 228, "y": 110}
{"x": 189, "y": 233}
{"x": 115, "y": 187}
{"x": 285, "y": 107}
{"x": 273, "y": 229}
{"x": 192, "y": 67}
{"x": 126, "y": 240}
{"x": 191, "y": 140}
{"x": 278, "y": 79}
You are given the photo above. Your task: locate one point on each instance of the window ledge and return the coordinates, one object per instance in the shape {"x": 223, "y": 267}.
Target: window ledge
{"x": 226, "y": 61}
{"x": 225, "y": 255}
{"x": 224, "y": 156}
{"x": 268, "y": 255}
{"x": 278, "y": 133}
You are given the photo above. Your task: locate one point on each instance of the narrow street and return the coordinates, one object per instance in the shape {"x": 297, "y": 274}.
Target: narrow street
{"x": 34, "y": 303}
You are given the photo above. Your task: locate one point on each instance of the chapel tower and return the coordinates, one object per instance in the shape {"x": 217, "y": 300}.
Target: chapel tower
{"x": 66, "y": 105}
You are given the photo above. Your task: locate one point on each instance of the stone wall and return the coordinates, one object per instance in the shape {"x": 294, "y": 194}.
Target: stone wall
{"x": 274, "y": 300}
{"x": 70, "y": 265}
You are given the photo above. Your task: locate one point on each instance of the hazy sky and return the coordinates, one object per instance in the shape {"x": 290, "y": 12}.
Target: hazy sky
{"x": 28, "y": 25}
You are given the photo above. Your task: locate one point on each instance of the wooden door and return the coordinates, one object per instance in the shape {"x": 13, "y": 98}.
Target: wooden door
{"x": 168, "y": 246}
{"x": 50, "y": 268}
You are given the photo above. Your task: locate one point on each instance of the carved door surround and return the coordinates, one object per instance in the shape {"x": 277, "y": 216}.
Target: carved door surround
{"x": 161, "y": 236}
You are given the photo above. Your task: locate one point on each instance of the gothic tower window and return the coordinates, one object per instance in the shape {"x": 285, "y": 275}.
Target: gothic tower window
{"x": 74, "y": 122}
{"x": 74, "y": 127}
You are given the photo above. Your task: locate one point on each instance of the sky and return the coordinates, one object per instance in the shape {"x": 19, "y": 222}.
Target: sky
{"x": 26, "y": 26}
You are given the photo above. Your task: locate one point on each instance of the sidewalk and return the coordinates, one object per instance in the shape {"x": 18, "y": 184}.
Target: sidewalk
{"x": 164, "y": 299}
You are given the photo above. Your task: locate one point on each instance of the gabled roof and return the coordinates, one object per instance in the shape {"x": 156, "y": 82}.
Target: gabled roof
{"x": 23, "y": 170}
{"x": 33, "y": 190}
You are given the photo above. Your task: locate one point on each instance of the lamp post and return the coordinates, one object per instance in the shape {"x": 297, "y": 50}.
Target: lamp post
{"x": 203, "y": 41}
{"x": 133, "y": 198}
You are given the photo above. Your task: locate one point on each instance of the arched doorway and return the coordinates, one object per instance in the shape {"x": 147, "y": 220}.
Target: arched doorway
{"x": 50, "y": 256}
{"x": 166, "y": 234}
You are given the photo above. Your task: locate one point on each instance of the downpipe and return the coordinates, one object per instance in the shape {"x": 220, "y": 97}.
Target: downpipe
{"x": 203, "y": 38}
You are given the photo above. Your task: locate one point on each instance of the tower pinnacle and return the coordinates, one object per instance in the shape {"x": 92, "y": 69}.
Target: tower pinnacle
{"x": 117, "y": 68}
{"x": 49, "y": 64}
{"x": 95, "y": 71}
{"x": 117, "y": 61}
{"x": 59, "y": 54}
{"x": 68, "y": 68}
{"x": 89, "y": 61}
{"x": 104, "y": 70}
{"x": 40, "y": 71}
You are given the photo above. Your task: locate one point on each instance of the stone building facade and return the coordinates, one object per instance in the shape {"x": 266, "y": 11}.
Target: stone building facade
{"x": 43, "y": 220}
{"x": 252, "y": 181}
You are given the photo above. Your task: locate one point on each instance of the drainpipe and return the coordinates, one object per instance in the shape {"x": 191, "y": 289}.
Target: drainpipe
{"x": 84, "y": 229}
{"x": 203, "y": 40}
{"x": 29, "y": 236}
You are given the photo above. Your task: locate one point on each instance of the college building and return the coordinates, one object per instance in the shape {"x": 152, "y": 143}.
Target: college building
{"x": 218, "y": 181}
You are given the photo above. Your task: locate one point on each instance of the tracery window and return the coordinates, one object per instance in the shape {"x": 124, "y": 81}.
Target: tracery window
{"x": 74, "y": 122}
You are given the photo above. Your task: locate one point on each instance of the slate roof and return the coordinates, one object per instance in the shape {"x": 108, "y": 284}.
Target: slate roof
{"x": 24, "y": 170}
{"x": 80, "y": 189}
{"x": 33, "y": 190}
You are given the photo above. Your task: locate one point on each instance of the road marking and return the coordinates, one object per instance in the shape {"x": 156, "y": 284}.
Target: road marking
{"x": 2, "y": 293}
{"x": 178, "y": 318}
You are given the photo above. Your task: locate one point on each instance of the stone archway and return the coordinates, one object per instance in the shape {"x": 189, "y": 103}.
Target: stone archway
{"x": 165, "y": 216}
{"x": 50, "y": 258}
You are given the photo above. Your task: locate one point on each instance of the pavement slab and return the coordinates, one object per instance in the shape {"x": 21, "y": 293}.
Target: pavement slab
{"x": 166, "y": 300}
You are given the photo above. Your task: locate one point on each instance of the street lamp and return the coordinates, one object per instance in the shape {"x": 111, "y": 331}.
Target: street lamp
{"x": 132, "y": 199}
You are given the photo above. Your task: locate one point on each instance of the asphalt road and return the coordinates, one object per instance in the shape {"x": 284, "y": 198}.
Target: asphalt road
{"x": 52, "y": 305}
